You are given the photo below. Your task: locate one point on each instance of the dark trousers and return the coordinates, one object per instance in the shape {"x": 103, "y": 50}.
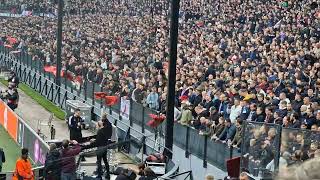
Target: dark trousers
{"x": 100, "y": 157}
{"x": 75, "y": 135}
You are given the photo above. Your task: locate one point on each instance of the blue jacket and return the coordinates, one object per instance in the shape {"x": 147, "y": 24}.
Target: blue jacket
{"x": 228, "y": 133}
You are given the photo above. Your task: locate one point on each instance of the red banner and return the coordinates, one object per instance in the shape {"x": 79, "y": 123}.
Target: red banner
{"x": 9, "y": 120}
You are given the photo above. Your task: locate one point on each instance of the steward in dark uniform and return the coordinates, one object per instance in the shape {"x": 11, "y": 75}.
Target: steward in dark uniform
{"x": 75, "y": 123}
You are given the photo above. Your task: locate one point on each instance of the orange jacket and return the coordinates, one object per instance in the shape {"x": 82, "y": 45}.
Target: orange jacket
{"x": 24, "y": 169}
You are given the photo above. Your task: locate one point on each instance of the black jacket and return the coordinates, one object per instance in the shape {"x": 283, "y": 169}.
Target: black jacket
{"x": 103, "y": 135}
{"x": 52, "y": 165}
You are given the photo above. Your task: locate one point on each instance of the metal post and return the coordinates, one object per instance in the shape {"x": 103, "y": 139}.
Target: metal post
{"x": 59, "y": 46}
{"x": 205, "y": 151}
{"x": 59, "y": 42}
{"x": 172, "y": 75}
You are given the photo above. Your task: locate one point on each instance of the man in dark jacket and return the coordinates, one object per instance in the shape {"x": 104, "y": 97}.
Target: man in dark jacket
{"x": 13, "y": 80}
{"x": 52, "y": 165}
{"x": 2, "y": 158}
{"x": 75, "y": 125}
{"x": 102, "y": 139}
{"x": 68, "y": 161}
{"x": 228, "y": 132}
{"x": 12, "y": 98}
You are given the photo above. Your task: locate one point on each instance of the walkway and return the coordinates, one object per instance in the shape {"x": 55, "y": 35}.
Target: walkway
{"x": 34, "y": 114}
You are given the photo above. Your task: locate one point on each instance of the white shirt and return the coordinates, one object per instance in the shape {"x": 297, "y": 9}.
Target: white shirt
{"x": 234, "y": 113}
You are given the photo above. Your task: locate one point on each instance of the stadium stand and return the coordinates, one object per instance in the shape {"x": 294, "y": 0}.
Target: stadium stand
{"x": 238, "y": 61}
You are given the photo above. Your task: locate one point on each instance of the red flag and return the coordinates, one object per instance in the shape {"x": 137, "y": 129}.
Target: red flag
{"x": 51, "y": 69}
{"x": 100, "y": 95}
{"x": 68, "y": 75}
{"x": 156, "y": 120}
{"x": 111, "y": 100}
{"x": 78, "y": 79}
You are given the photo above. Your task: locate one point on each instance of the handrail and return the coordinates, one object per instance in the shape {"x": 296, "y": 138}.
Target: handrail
{"x": 86, "y": 101}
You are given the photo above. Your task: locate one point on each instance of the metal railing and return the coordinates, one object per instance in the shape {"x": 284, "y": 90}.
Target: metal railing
{"x": 32, "y": 73}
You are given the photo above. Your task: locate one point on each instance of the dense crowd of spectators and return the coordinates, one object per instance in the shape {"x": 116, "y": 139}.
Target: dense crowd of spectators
{"x": 238, "y": 60}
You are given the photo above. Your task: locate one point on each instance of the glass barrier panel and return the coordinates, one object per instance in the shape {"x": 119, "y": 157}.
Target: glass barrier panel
{"x": 260, "y": 149}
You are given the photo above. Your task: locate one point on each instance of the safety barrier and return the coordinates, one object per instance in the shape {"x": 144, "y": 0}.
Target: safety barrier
{"x": 32, "y": 73}
{"x": 24, "y": 136}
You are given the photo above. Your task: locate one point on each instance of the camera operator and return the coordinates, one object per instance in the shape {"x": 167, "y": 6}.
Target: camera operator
{"x": 102, "y": 139}
{"x": 68, "y": 161}
{"x": 75, "y": 126}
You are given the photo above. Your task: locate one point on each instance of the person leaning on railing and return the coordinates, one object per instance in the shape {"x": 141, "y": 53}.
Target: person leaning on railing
{"x": 68, "y": 162}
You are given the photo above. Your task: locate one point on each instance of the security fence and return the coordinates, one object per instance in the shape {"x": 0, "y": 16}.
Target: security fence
{"x": 260, "y": 149}
{"x": 266, "y": 148}
{"x": 25, "y": 137}
{"x": 31, "y": 72}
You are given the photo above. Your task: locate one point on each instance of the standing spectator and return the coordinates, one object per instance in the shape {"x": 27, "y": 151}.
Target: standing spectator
{"x": 228, "y": 132}
{"x": 52, "y": 167}
{"x": 153, "y": 99}
{"x": 102, "y": 139}
{"x": 235, "y": 110}
{"x": 218, "y": 129}
{"x": 186, "y": 115}
{"x": 236, "y": 142}
{"x": 75, "y": 125}
{"x": 138, "y": 94}
{"x": 68, "y": 161}
{"x": 23, "y": 167}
